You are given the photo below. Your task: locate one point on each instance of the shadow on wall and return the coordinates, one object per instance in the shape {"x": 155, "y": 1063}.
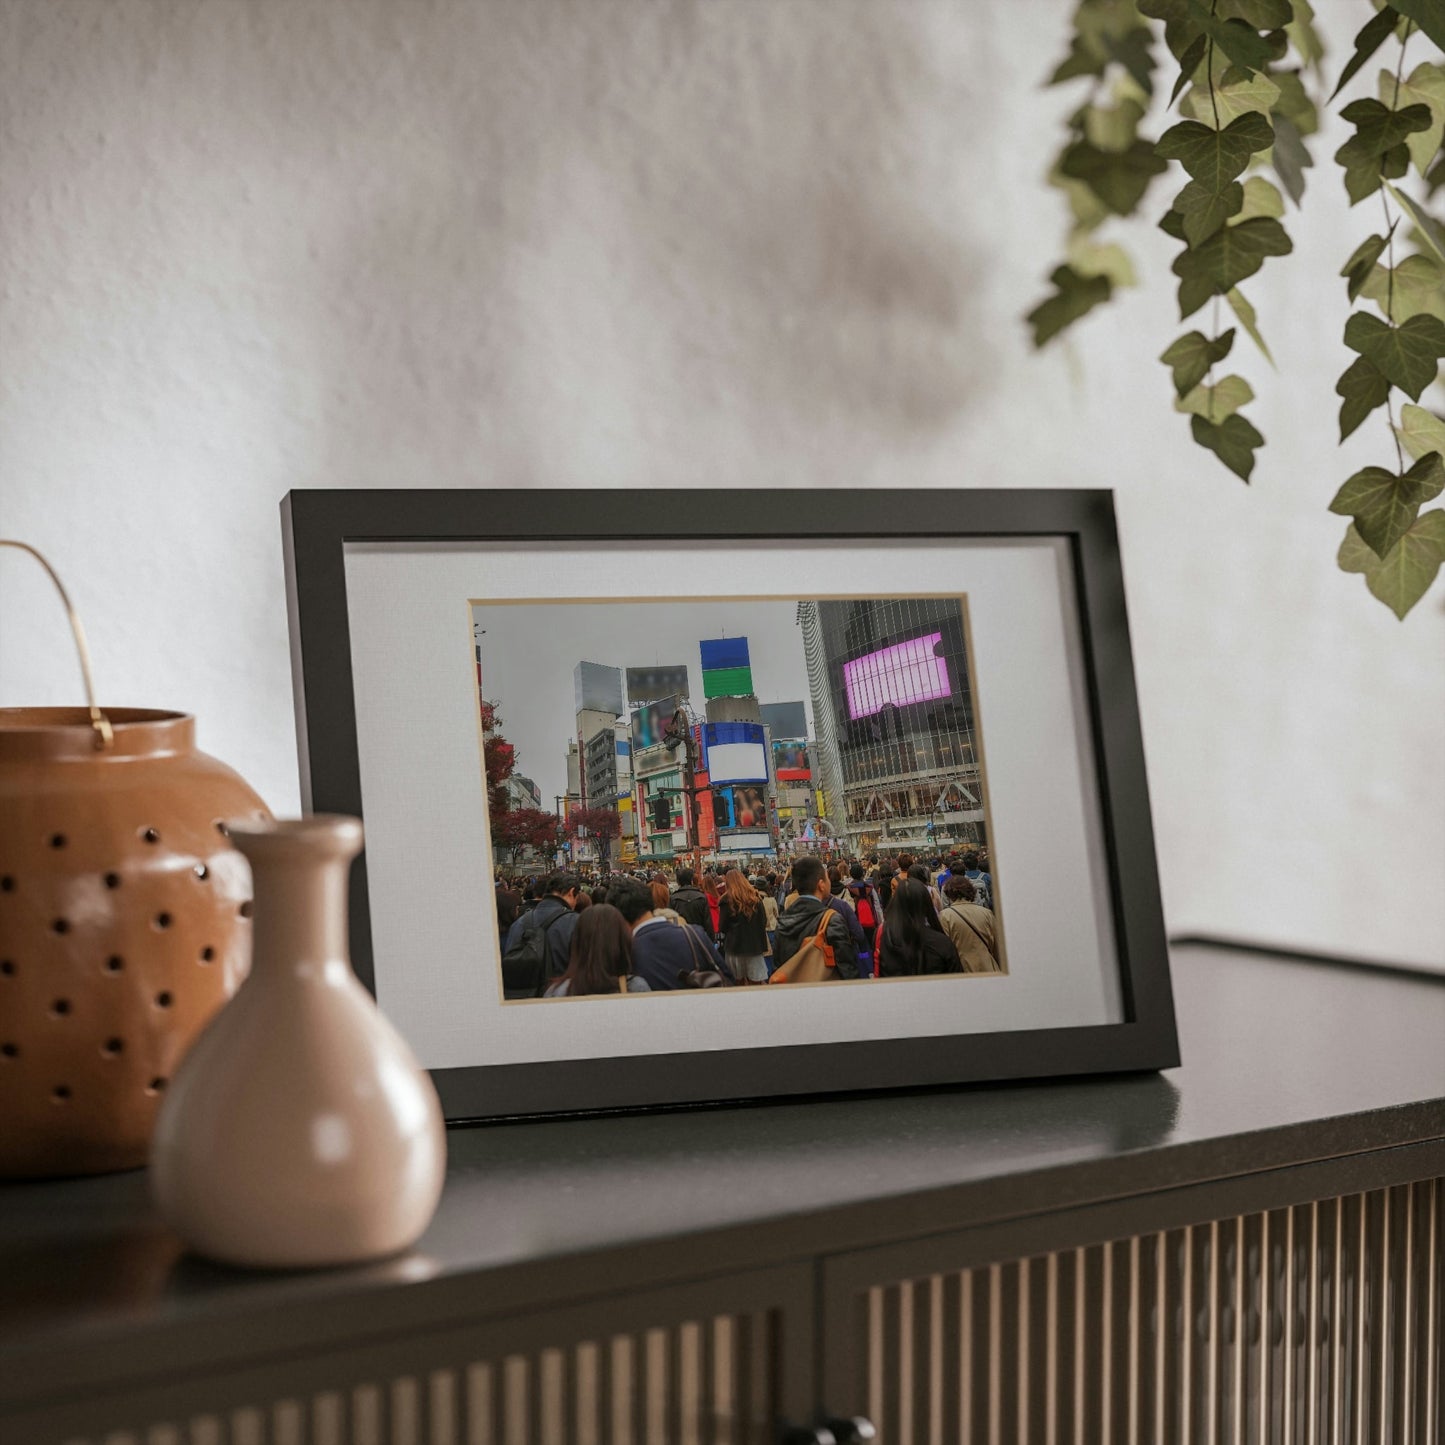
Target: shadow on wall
{"x": 596, "y": 243}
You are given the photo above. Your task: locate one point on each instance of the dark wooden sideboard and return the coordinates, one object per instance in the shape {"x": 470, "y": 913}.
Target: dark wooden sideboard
{"x": 1247, "y": 1248}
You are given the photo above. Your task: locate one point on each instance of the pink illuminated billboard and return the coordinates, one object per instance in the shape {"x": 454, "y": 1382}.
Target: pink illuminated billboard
{"x": 908, "y": 672}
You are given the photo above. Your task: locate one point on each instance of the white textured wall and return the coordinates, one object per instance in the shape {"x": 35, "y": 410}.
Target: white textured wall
{"x": 763, "y": 243}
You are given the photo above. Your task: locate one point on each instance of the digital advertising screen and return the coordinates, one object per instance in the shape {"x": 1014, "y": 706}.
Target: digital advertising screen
{"x": 790, "y": 759}
{"x": 649, "y": 684}
{"x": 736, "y": 752}
{"x": 724, "y": 653}
{"x": 898, "y": 676}
{"x": 650, "y": 723}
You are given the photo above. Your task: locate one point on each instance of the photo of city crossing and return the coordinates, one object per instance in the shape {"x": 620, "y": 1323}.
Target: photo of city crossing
{"x": 702, "y": 794}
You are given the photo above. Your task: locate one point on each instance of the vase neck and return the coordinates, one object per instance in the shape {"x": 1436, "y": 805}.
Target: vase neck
{"x": 301, "y": 874}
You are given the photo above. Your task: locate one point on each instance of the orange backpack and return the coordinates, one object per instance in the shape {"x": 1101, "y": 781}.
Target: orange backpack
{"x": 813, "y": 962}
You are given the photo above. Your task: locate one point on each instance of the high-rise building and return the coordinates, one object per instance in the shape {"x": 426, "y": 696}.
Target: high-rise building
{"x": 893, "y": 703}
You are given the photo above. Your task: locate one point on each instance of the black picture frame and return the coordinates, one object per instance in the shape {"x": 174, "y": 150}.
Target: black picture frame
{"x": 317, "y": 525}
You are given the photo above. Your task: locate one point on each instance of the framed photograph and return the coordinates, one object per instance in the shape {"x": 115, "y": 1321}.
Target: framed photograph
{"x": 688, "y": 796}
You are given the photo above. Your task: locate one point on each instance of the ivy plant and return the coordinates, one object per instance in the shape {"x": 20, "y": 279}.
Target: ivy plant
{"x": 1244, "y": 70}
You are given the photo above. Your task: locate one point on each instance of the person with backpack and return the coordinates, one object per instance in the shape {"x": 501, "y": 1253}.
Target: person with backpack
{"x": 868, "y": 909}
{"x": 913, "y": 941}
{"x": 665, "y": 954}
{"x": 982, "y": 881}
{"x": 802, "y": 919}
{"x": 539, "y": 943}
{"x": 690, "y": 901}
{"x": 971, "y": 928}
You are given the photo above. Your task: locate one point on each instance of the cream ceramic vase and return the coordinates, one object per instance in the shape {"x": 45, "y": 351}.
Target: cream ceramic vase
{"x": 299, "y": 1130}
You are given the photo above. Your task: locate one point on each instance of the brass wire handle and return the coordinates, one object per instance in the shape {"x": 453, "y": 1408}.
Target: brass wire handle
{"x": 104, "y": 734}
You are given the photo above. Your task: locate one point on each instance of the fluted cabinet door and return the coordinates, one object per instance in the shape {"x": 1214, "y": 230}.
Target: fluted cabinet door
{"x": 1316, "y": 1322}
{"x": 716, "y": 1362}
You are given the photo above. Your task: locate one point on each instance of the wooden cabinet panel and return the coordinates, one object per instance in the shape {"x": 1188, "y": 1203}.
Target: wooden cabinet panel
{"x": 1311, "y": 1322}
{"x": 715, "y": 1362}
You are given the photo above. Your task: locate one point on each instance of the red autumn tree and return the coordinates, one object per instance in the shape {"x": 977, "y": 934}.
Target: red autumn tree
{"x": 499, "y": 758}
{"x": 522, "y": 828}
{"x": 600, "y": 825}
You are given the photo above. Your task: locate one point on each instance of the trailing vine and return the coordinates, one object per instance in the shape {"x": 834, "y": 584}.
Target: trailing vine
{"x": 1240, "y": 88}
{"x": 1397, "y": 547}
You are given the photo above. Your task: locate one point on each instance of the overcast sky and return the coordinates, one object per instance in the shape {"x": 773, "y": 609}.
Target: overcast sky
{"x": 529, "y": 651}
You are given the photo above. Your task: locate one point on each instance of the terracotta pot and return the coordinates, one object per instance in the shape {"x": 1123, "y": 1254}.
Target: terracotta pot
{"x": 300, "y": 1129}
{"x": 123, "y": 927}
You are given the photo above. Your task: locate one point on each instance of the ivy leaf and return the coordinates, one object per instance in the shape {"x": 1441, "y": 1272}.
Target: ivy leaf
{"x": 1408, "y": 355}
{"x": 1172, "y": 224}
{"x": 1403, "y": 576}
{"x": 1425, "y": 86}
{"x": 1089, "y": 258}
{"x": 1245, "y": 312}
{"x": 1189, "y": 62}
{"x": 1181, "y": 28}
{"x": 1294, "y": 102}
{"x": 1420, "y": 431}
{"x": 1216, "y": 402}
{"x": 1118, "y": 178}
{"x": 1429, "y": 15}
{"x": 1364, "y": 387}
{"x": 1083, "y": 59}
{"x": 1303, "y": 35}
{"x": 1362, "y": 261}
{"x": 1367, "y": 42}
{"x": 1418, "y": 290}
{"x": 1190, "y": 357}
{"x": 1228, "y": 257}
{"x": 1134, "y": 52}
{"x": 1238, "y": 93}
{"x": 1379, "y": 129}
{"x": 1075, "y": 296}
{"x": 1238, "y": 39}
{"x": 1234, "y": 441}
{"x": 1260, "y": 199}
{"x": 1205, "y": 211}
{"x": 1113, "y": 128}
{"x": 1262, "y": 14}
{"x": 1363, "y": 178}
{"x": 1427, "y": 225}
{"x": 1216, "y": 157}
{"x": 1384, "y": 506}
{"x": 1290, "y": 157}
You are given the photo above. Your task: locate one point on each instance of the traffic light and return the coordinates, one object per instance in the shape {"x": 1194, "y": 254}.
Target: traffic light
{"x": 661, "y": 812}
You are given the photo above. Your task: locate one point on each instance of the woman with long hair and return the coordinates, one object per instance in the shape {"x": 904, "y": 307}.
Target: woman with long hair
{"x": 600, "y": 960}
{"x": 743, "y": 923}
{"x": 662, "y": 898}
{"x": 913, "y": 940}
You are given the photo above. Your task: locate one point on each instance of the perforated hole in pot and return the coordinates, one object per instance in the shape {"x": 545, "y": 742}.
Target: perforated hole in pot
{"x": 7, "y": 967}
{"x": 150, "y": 835}
{"x": 162, "y": 921}
{"x": 163, "y": 999}
{"x": 57, "y": 840}
{"x": 7, "y": 884}
{"x": 9, "y": 1051}
{"x": 156, "y": 1086}
{"x": 111, "y": 1047}
{"x": 208, "y": 954}
{"x": 60, "y": 1008}
{"x": 61, "y": 1093}
{"x": 245, "y": 909}
{"x": 114, "y": 963}
{"x": 201, "y": 872}
{"x": 61, "y": 925}
{"x": 112, "y": 880}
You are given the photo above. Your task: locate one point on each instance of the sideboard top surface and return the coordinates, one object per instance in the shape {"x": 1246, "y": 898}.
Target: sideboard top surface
{"x": 1285, "y": 1063}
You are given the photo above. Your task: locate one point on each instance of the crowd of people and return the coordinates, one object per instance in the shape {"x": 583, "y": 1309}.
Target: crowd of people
{"x": 568, "y": 935}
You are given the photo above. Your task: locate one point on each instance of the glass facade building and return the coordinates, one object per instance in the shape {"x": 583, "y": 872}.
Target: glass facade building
{"x": 896, "y": 735}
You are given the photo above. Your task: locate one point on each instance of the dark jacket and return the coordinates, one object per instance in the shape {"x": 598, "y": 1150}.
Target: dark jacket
{"x": 745, "y": 935}
{"x": 559, "y": 935}
{"x": 691, "y": 903}
{"x": 939, "y": 956}
{"x": 660, "y": 951}
{"x": 800, "y": 920}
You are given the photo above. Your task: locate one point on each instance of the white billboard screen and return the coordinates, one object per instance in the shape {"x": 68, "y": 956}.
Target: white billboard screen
{"x": 737, "y": 763}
